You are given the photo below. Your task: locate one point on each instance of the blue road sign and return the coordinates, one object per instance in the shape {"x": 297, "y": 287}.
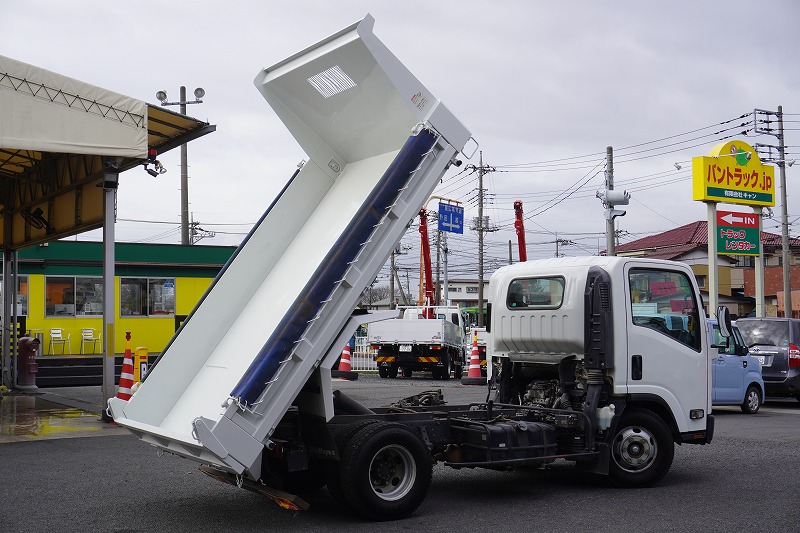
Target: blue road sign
{"x": 451, "y": 218}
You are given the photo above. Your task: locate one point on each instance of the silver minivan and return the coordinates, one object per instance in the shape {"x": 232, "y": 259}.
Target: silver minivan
{"x": 775, "y": 343}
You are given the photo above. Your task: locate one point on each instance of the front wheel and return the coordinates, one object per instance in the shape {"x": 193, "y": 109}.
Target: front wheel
{"x": 642, "y": 450}
{"x": 385, "y": 471}
{"x": 752, "y": 400}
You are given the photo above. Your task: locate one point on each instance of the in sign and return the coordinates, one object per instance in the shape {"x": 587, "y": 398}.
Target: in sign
{"x": 737, "y": 233}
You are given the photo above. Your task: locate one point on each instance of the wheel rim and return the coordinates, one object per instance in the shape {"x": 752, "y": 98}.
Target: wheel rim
{"x": 635, "y": 449}
{"x": 392, "y": 472}
{"x": 753, "y": 400}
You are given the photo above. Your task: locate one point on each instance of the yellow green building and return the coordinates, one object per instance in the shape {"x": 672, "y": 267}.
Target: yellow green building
{"x": 60, "y": 285}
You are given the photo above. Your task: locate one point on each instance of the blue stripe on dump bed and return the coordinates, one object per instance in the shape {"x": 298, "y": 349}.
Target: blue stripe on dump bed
{"x": 331, "y": 270}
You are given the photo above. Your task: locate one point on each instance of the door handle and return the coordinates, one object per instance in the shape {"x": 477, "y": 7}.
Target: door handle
{"x": 636, "y": 367}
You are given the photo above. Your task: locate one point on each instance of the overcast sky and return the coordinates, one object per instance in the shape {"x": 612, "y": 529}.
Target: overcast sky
{"x": 544, "y": 87}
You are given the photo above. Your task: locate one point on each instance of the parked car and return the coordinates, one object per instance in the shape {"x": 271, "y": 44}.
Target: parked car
{"x": 736, "y": 375}
{"x": 774, "y": 342}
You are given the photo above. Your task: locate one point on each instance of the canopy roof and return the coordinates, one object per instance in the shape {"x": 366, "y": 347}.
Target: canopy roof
{"x": 55, "y": 132}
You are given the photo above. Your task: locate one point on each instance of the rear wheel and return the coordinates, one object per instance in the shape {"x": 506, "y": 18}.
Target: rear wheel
{"x": 752, "y": 400}
{"x": 383, "y": 372}
{"x": 393, "y": 371}
{"x": 642, "y": 450}
{"x": 407, "y": 372}
{"x": 333, "y": 470}
{"x": 385, "y": 471}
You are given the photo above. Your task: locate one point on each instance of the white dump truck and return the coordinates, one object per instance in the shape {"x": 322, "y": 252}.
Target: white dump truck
{"x": 244, "y": 387}
{"x": 421, "y": 339}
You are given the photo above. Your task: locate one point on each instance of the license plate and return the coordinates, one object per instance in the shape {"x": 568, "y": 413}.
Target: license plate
{"x": 405, "y": 347}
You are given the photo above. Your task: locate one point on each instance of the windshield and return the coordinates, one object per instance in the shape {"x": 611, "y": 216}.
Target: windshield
{"x": 765, "y": 332}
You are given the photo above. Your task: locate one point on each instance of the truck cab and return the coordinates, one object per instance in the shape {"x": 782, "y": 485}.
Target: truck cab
{"x": 572, "y": 333}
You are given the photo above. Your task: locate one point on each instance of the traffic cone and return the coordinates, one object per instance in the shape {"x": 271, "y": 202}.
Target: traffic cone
{"x": 344, "y": 363}
{"x": 124, "y": 392}
{"x": 474, "y": 375}
{"x": 345, "y": 370}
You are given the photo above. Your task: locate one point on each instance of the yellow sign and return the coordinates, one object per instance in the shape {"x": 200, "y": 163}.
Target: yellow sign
{"x": 732, "y": 173}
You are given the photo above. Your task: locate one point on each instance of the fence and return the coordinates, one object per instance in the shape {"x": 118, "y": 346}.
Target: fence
{"x": 361, "y": 358}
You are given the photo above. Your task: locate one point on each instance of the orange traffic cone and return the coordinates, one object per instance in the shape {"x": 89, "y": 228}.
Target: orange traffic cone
{"x": 124, "y": 391}
{"x": 345, "y": 370}
{"x": 474, "y": 375}
{"x": 344, "y": 363}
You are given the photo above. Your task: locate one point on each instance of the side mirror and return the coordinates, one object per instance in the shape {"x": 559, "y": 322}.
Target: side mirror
{"x": 724, "y": 321}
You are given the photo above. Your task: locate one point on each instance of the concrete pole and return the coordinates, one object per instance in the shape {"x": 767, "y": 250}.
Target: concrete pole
{"x": 610, "y": 242}
{"x": 480, "y": 241}
{"x": 445, "y": 283}
{"x": 184, "y": 181}
{"x": 787, "y": 285}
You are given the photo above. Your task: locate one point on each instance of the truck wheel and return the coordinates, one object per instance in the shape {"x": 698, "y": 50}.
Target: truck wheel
{"x": 333, "y": 469}
{"x": 386, "y": 471}
{"x": 642, "y": 450}
{"x": 752, "y": 400}
{"x": 407, "y": 373}
{"x": 383, "y": 372}
{"x": 393, "y": 371}
{"x": 444, "y": 372}
{"x": 458, "y": 371}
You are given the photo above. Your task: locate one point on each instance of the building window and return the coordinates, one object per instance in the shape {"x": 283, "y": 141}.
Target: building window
{"x": 701, "y": 281}
{"x": 745, "y": 261}
{"x": 453, "y": 289}
{"x": 147, "y": 296}
{"x": 472, "y": 290}
{"x": 22, "y": 295}
{"x": 73, "y": 296}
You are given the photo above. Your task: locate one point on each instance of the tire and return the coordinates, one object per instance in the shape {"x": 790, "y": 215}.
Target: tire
{"x": 752, "y": 400}
{"x": 383, "y": 372}
{"x": 333, "y": 470}
{"x": 393, "y": 371}
{"x": 444, "y": 372}
{"x": 407, "y": 373}
{"x": 458, "y": 371}
{"x": 436, "y": 372}
{"x": 641, "y": 451}
{"x": 386, "y": 471}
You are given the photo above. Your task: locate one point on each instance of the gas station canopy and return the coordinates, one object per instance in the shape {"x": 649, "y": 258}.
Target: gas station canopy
{"x": 57, "y": 136}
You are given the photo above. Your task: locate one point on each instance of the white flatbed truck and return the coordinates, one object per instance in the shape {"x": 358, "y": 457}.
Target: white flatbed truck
{"x": 421, "y": 339}
{"x": 244, "y": 387}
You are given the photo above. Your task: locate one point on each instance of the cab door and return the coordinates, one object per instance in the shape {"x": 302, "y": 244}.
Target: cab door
{"x": 667, "y": 361}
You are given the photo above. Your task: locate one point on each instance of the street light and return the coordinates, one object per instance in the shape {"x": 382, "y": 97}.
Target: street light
{"x": 199, "y": 93}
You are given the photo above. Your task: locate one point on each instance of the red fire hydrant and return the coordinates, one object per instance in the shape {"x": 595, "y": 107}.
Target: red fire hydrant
{"x": 27, "y": 348}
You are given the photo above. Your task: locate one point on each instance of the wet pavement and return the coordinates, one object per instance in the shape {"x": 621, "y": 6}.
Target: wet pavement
{"x": 49, "y": 414}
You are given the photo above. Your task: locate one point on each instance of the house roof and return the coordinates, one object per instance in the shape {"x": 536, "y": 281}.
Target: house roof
{"x": 678, "y": 242}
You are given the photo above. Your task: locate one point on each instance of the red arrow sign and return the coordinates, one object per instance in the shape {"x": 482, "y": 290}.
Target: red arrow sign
{"x": 737, "y": 220}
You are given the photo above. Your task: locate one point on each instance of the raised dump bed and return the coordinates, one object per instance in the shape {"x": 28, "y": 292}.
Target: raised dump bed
{"x": 377, "y": 142}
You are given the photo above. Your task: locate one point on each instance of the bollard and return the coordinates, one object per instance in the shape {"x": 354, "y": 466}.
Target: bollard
{"x": 27, "y": 347}
{"x": 140, "y": 364}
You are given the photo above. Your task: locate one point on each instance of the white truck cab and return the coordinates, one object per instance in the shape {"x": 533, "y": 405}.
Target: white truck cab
{"x": 572, "y": 333}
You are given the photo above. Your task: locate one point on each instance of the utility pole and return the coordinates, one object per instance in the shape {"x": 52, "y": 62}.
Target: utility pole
{"x": 610, "y": 199}
{"x": 480, "y": 241}
{"x": 785, "y": 257}
{"x": 611, "y": 248}
{"x": 199, "y": 93}
{"x": 391, "y": 283}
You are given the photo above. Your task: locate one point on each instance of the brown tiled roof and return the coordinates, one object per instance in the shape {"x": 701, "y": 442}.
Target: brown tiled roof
{"x": 679, "y": 241}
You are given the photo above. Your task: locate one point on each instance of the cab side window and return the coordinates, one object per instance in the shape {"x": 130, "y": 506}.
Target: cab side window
{"x": 664, "y": 301}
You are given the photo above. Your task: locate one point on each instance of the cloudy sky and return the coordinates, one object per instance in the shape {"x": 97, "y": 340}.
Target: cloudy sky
{"x": 544, "y": 87}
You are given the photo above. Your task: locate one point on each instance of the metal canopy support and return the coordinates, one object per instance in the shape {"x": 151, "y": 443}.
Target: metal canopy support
{"x": 110, "y": 182}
